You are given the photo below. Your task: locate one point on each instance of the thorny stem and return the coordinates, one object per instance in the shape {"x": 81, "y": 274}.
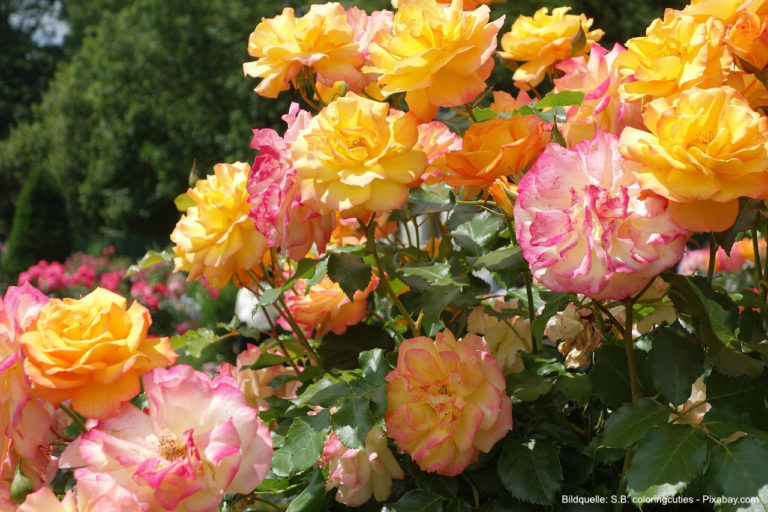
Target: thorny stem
{"x": 371, "y": 247}
{"x": 470, "y": 112}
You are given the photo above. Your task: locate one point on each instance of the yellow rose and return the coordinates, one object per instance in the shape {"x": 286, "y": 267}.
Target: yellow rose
{"x": 439, "y": 55}
{"x": 322, "y": 41}
{"x": 676, "y": 53}
{"x": 92, "y": 351}
{"x": 216, "y": 239}
{"x": 357, "y": 157}
{"x": 542, "y": 40}
{"x": 702, "y": 152}
{"x": 747, "y": 38}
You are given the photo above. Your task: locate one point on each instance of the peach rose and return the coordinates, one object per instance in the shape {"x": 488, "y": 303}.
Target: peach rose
{"x": 92, "y": 351}
{"x": 747, "y": 38}
{"x": 542, "y": 40}
{"x": 702, "y": 151}
{"x": 439, "y": 55}
{"x": 216, "y": 239}
{"x": 446, "y": 401}
{"x": 356, "y": 157}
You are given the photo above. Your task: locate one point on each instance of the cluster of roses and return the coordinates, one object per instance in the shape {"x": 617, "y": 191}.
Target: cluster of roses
{"x": 80, "y": 271}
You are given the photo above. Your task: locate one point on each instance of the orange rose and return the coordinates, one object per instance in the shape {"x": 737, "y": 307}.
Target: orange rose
{"x": 748, "y": 40}
{"x": 92, "y": 351}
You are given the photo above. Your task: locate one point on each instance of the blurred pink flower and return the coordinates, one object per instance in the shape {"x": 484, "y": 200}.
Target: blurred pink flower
{"x": 585, "y": 226}
{"x": 198, "y": 441}
{"x": 446, "y": 401}
{"x": 360, "y": 474}
{"x": 277, "y": 208}
{"x": 94, "y": 492}
{"x": 111, "y": 280}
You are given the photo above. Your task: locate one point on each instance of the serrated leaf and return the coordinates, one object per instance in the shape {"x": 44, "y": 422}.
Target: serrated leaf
{"x": 741, "y": 393}
{"x": 437, "y": 274}
{"x": 575, "y": 387}
{"x": 374, "y": 366}
{"x": 352, "y": 421}
{"x": 183, "y": 202}
{"x": 667, "y": 458}
{"x": 610, "y": 376}
{"x": 477, "y": 233}
{"x": 527, "y": 386}
{"x": 194, "y": 341}
{"x": 324, "y": 393}
{"x": 531, "y": 471}
{"x": 738, "y": 469}
{"x": 502, "y": 259}
{"x": 416, "y": 500}
{"x": 312, "y": 498}
{"x": 430, "y": 199}
{"x": 436, "y": 298}
{"x": 150, "y": 259}
{"x": 343, "y": 350}
{"x": 433, "y": 483}
{"x": 560, "y": 99}
{"x": 306, "y": 268}
{"x": 350, "y": 272}
{"x": 676, "y": 361}
{"x": 631, "y": 421}
{"x": 305, "y": 443}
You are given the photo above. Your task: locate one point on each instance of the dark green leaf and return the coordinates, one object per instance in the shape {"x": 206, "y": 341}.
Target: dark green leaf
{"x": 324, "y": 393}
{"x": 352, "y": 421}
{"x": 676, "y": 361}
{"x": 303, "y": 446}
{"x": 438, "y": 274}
{"x": 343, "y": 350}
{"x": 304, "y": 269}
{"x": 349, "y": 271}
{"x": 430, "y": 199}
{"x": 374, "y": 366}
{"x": 631, "y": 421}
{"x": 443, "y": 486}
{"x": 665, "y": 460}
{"x": 527, "y": 386}
{"x": 531, "y": 471}
{"x": 416, "y": 500}
{"x": 738, "y": 469}
{"x": 500, "y": 259}
{"x": 477, "y": 233}
{"x": 436, "y": 298}
{"x": 266, "y": 360}
{"x": 722, "y": 422}
{"x": 741, "y": 393}
{"x": 312, "y": 498}
{"x": 575, "y": 387}
{"x": 610, "y": 376}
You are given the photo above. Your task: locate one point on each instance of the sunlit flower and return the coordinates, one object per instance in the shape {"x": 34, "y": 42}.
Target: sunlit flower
{"x": 541, "y": 40}
{"x": 504, "y": 194}
{"x": 602, "y": 109}
{"x": 197, "y": 441}
{"x": 277, "y": 210}
{"x": 506, "y": 335}
{"x": 747, "y": 38}
{"x": 439, "y": 55}
{"x": 585, "y": 226}
{"x": 216, "y": 239}
{"x": 255, "y": 384}
{"x": 356, "y": 157}
{"x": 92, "y": 351}
{"x": 94, "y": 492}
{"x": 324, "y": 306}
{"x": 446, "y": 401}
{"x": 360, "y": 474}
{"x": 701, "y": 151}
{"x": 436, "y": 139}
{"x": 677, "y": 53}
{"x": 322, "y": 41}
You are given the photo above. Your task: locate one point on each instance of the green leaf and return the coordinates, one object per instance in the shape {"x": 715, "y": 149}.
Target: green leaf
{"x": 437, "y": 274}
{"x": 266, "y": 360}
{"x": 352, "y": 421}
{"x": 631, "y": 421}
{"x": 610, "y": 376}
{"x": 303, "y": 446}
{"x": 501, "y": 259}
{"x": 676, "y": 361}
{"x": 478, "y": 233}
{"x": 560, "y": 99}
{"x": 183, "y": 201}
{"x": 436, "y": 298}
{"x": 527, "y": 386}
{"x": 306, "y": 268}
{"x": 749, "y": 215}
{"x": 312, "y": 498}
{"x": 20, "y": 486}
{"x": 325, "y": 392}
{"x": 483, "y": 114}
{"x": 576, "y": 387}
{"x": 531, "y": 471}
{"x": 374, "y": 365}
{"x": 343, "y": 350}
{"x": 430, "y": 199}
{"x": 445, "y": 487}
{"x": 665, "y": 460}
{"x": 350, "y": 272}
{"x": 150, "y": 259}
{"x": 740, "y": 393}
{"x": 738, "y": 469}
{"x": 416, "y": 500}
{"x": 269, "y": 297}
{"x": 194, "y": 341}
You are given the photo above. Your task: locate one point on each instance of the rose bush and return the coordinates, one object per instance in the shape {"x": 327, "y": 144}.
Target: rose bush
{"x": 460, "y": 298}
